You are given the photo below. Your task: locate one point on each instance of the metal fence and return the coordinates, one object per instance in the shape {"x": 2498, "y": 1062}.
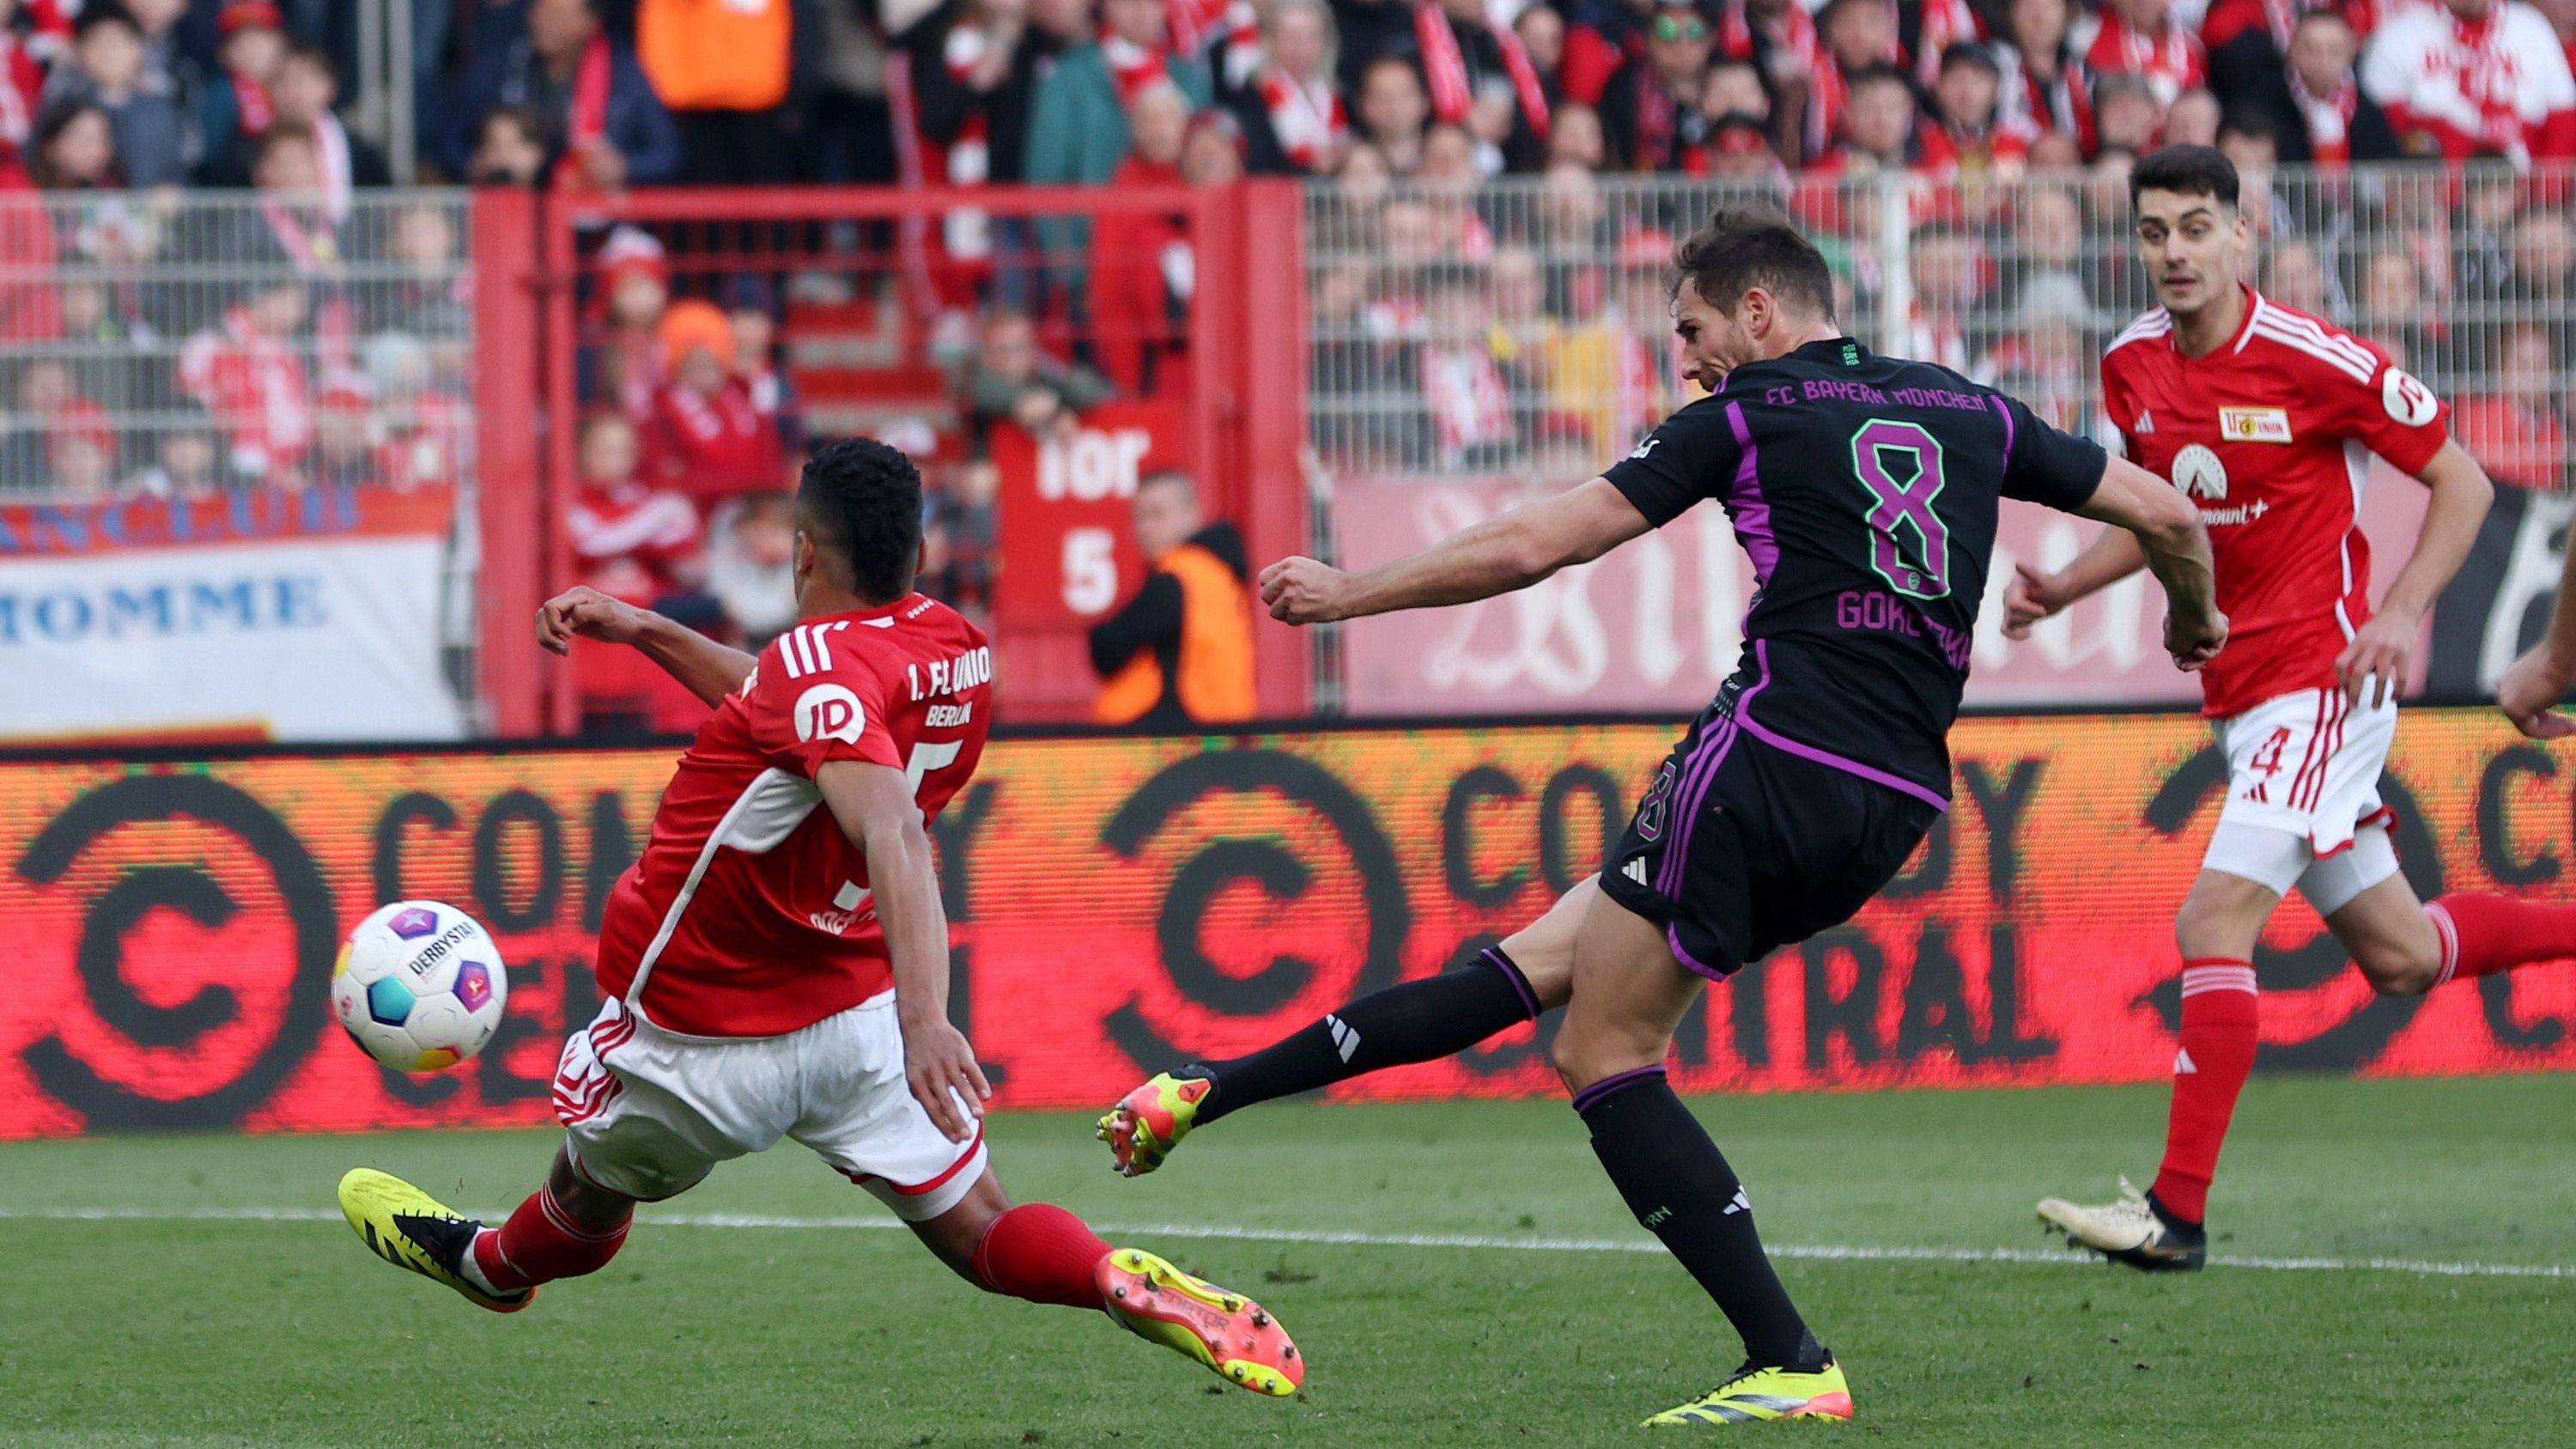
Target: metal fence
{"x": 1521, "y": 326}
{"x": 174, "y": 341}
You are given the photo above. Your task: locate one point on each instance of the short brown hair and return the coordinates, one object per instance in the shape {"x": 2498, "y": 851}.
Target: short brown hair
{"x": 1753, "y": 244}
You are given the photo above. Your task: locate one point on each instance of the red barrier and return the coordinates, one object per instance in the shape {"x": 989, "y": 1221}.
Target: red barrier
{"x": 1119, "y": 903}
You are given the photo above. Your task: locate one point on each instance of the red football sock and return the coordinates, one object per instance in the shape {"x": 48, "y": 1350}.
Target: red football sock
{"x": 2484, "y": 934}
{"x": 1042, "y": 1253}
{"x": 541, "y": 1242}
{"x": 2219, "y": 1026}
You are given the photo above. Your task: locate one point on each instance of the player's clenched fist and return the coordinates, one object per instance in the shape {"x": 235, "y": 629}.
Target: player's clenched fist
{"x": 940, "y": 1066}
{"x": 590, "y": 614}
{"x": 1302, "y": 590}
{"x": 2529, "y": 691}
{"x": 2194, "y": 641}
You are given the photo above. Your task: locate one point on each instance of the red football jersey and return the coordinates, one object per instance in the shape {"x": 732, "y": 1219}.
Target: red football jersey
{"x": 748, "y": 913}
{"x": 2271, "y": 434}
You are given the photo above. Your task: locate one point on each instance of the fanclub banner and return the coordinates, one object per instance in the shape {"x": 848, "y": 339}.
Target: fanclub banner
{"x": 1656, "y": 624}
{"x": 310, "y": 614}
{"x": 1118, "y": 905}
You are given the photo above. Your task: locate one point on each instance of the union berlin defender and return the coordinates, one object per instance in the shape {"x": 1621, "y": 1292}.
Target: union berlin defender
{"x": 1864, "y": 489}
{"x": 2266, "y": 418}
{"x": 776, "y": 964}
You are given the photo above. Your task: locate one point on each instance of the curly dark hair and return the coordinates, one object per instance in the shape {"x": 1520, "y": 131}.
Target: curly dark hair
{"x": 1752, "y": 244}
{"x": 862, "y": 499}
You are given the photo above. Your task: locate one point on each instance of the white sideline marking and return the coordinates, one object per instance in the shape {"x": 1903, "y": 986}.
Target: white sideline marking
{"x": 1823, "y": 1252}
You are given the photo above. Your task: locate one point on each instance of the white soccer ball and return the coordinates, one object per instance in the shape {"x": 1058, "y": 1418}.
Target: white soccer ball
{"x": 420, "y": 986}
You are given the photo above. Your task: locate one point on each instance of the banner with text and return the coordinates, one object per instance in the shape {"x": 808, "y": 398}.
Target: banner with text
{"x": 260, "y": 614}
{"x": 1655, "y": 625}
{"x": 1120, "y": 904}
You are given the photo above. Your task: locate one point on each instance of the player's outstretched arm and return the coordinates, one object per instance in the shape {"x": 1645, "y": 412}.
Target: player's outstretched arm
{"x": 1509, "y": 551}
{"x": 2033, "y": 595}
{"x": 874, "y": 807}
{"x": 710, "y": 670}
{"x": 2165, "y": 530}
{"x": 2546, "y": 671}
{"x": 2377, "y": 657}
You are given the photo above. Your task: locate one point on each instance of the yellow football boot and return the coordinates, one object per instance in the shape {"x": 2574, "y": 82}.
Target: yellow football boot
{"x": 1772, "y": 1393}
{"x": 410, "y": 1229}
{"x": 1226, "y": 1331}
{"x": 1150, "y": 1121}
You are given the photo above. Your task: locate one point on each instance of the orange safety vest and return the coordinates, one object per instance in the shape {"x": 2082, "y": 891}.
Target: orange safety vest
{"x": 715, "y": 55}
{"x": 1215, "y": 658}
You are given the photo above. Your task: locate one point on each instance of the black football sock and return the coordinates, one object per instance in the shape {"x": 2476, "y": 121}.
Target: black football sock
{"x": 1414, "y": 1021}
{"x": 1679, "y": 1186}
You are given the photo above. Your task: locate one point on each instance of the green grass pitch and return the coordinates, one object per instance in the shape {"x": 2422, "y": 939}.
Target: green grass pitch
{"x": 174, "y": 1325}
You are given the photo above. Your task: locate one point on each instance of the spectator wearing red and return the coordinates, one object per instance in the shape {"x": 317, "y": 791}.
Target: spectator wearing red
{"x": 22, "y": 91}
{"x": 2471, "y": 76}
{"x": 962, "y": 93}
{"x": 1394, "y": 109}
{"x": 1541, "y": 31}
{"x": 1141, "y": 270}
{"x": 1604, "y": 35}
{"x": 421, "y": 432}
{"x": 1480, "y": 77}
{"x": 305, "y": 91}
{"x": 344, "y": 446}
{"x": 1962, "y": 139}
{"x": 80, "y": 451}
{"x": 735, "y": 75}
{"x": 634, "y": 288}
{"x": 605, "y": 127}
{"x": 1292, "y": 119}
{"x": 751, "y": 308}
{"x": 709, "y": 440}
{"x": 2320, "y": 115}
{"x": 2561, "y": 15}
{"x": 1943, "y": 265}
{"x": 239, "y": 106}
{"x": 1778, "y": 36}
{"x": 636, "y": 543}
{"x": 1463, "y": 391}
{"x": 2517, "y": 431}
{"x": 1650, "y": 115}
{"x": 2045, "y": 86}
{"x": 2140, "y": 37}
{"x": 249, "y": 373}
{"x": 30, "y": 309}
{"x": 1854, "y": 35}
{"x": 1739, "y": 149}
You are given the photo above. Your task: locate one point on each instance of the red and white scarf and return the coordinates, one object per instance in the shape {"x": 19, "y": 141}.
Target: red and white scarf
{"x": 586, "y": 121}
{"x": 2488, "y": 82}
{"x": 1444, "y": 64}
{"x": 2167, "y": 60}
{"x": 1464, "y": 392}
{"x": 1133, "y": 67}
{"x": 1307, "y": 118}
{"x": 339, "y": 179}
{"x": 969, "y": 162}
{"x": 250, "y": 98}
{"x": 2329, "y": 120}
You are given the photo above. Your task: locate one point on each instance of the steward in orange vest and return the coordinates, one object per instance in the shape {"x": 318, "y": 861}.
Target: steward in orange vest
{"x": 1179, "y": 652}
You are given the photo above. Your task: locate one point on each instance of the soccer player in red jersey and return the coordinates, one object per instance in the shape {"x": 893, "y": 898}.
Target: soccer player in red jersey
{"x": 776, "y": 962}
{"x": 2266, "y": 418}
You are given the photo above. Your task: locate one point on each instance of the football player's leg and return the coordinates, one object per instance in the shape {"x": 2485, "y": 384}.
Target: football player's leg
{"x": 1629, "y": 996}
{"x": 1045, "y": 1254}
{"x": 568, "y": 1227}
{"x": 2407, "y": 946}
{"x": 2219, "y": 923}
{"x": 1412, "y": 1021}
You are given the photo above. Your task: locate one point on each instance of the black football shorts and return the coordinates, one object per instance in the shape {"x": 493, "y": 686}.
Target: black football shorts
{"x": 1739, "y": 848}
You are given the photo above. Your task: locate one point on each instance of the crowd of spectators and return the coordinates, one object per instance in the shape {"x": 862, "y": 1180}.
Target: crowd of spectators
{"x": 1485, "y": 252}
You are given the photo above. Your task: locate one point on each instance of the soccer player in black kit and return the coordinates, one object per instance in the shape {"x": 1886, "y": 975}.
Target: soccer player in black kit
{"x": 1864, "y": 488}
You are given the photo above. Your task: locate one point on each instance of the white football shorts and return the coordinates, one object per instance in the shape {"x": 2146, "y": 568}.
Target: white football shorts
{"x": 650, "y": 1113}
{"x": 2303, "y": 806}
